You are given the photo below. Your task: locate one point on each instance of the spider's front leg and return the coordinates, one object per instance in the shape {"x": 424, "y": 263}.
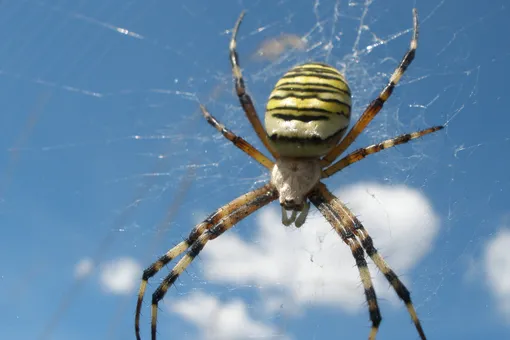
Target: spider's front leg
{"x": 239, "y": 142}
{"x": 359, "y": 154}
{"x": 376, "y": 105}
{"x": 244, "y": 98}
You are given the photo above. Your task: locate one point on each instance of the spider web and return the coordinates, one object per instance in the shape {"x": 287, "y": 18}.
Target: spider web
{"x": 107, "y": 163}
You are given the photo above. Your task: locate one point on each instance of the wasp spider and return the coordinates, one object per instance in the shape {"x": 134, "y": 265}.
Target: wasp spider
{"x": 306, "y": 117}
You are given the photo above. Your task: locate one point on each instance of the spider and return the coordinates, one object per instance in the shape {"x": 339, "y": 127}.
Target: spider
{"x": 307, "y": 114}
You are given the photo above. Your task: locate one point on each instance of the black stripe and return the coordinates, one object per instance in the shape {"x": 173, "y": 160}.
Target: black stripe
{"x": 402, "y": 139}
{"x": 312, "y": 90}
{"x": 157, "y": 296}
{"x": 309, "y": 140}
{"x": 301, "y": 85}
{"x": 292, "y": 74}
{"x": 375, "y": 313}
{"x": 408, "y": 58}
{"x": 359, "y": 256}
{"x": 306, "y": 109}
{"x": 196, "y": 248}
{"x": 160, "y": 292}
{"x": 327, "y": 100}
{"x": 150, "y": 272}
{"x": 301, "y": 118}
{"x": 368, "y": 245}
{"x": 400, "y": 289}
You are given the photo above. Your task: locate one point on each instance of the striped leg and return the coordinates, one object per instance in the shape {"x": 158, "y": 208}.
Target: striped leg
{"x": 355, "y": 227}
{"x": 248, "y": 199}
{"x": 249, "y": 149}
{"x": 247, "y": 205}
{"x": 359, "y": 154}
{"x": 373, "y": 109}
{"x": 244, "y": 98}
{"x": 339, "y": 223}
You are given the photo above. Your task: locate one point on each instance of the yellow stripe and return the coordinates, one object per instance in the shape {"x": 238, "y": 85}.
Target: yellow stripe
{"x": 319, "y": 66}
{"x": 312, "y": 103}
{"x": 314, "y": 79}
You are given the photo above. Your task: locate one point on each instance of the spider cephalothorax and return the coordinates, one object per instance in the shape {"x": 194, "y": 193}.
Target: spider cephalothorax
{"x": 294, "y": 178}
{"x": 307, "y": 115}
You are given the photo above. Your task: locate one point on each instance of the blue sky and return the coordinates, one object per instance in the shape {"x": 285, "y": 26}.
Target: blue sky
{"x": 100, "y": 130}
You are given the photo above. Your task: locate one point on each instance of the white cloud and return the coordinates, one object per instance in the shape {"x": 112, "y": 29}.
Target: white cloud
{"x": 229, "y": 321}
{"x": 312, "y": 264}
{"x": 497, "y": 269}
{"x": 83, "y": 268}
{"x": 120, "y": 276}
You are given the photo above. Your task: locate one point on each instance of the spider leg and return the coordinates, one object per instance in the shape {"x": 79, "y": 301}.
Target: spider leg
{"x": 247, "y": 204}
{"x": 339, "y": 224}
{"x": 244, "y": 98}
{"x": 242, "y": 144}
{"x": 356, "y": 227}
{"x": 361, "y": 153}
{"x": 237, "y": 204}
{"x": 375, "y": 106}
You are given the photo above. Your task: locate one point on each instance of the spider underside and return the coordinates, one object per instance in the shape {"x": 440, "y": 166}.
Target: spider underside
{"x": 313, "y": 99}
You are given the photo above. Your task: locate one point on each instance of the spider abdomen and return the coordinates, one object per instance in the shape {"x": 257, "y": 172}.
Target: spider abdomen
{"x": 308, "y": 111}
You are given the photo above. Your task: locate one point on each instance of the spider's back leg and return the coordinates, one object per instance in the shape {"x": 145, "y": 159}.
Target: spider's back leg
{"x": 356, "y": 228}
{"x": 251, "y": 202}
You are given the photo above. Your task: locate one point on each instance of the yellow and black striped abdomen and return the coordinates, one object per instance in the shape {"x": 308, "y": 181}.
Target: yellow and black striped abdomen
{"x": 308, "y": 111}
